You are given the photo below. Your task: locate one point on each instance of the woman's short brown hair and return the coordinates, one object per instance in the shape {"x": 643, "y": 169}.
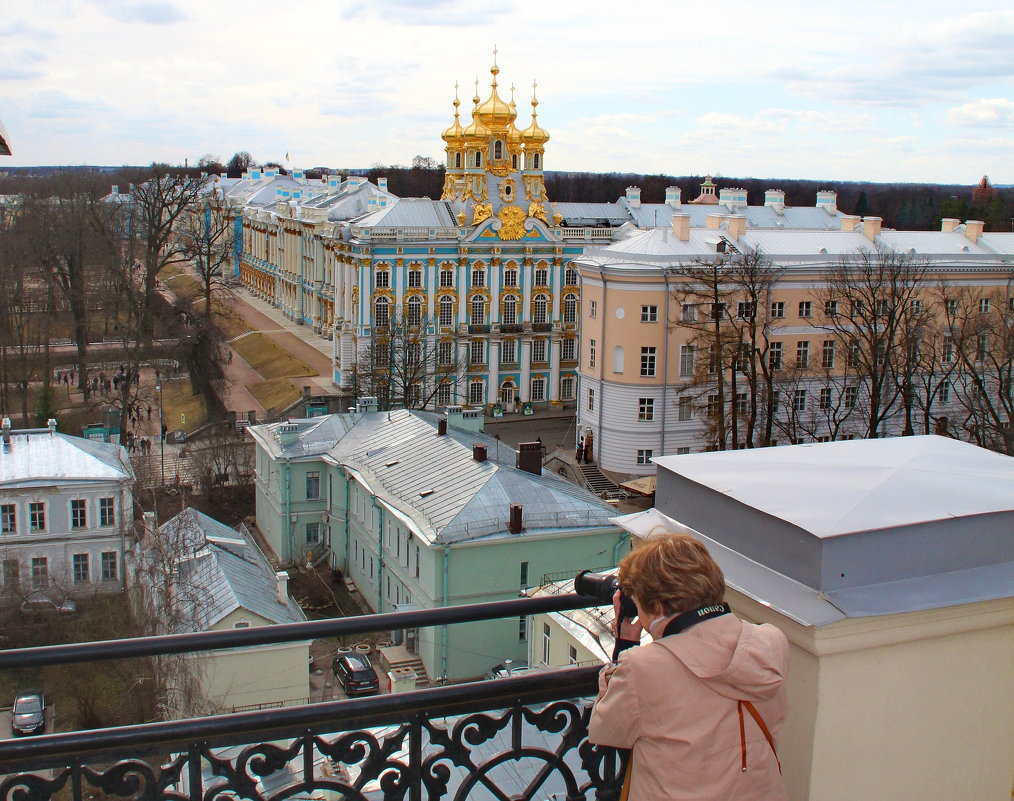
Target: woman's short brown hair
{"x": 673, "y": 571}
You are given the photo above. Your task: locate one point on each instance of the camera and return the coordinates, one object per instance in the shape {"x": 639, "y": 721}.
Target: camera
{"x": 603, "y": 588}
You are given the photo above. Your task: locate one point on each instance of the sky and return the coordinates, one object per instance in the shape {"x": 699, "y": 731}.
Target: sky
{"x": 878, "y": 90}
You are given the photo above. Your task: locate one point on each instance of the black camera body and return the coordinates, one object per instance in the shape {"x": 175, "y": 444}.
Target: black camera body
{"x": 603, "y": 588}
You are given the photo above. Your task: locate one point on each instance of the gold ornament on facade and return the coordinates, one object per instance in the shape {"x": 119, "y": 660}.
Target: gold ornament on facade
{"x": 479, "y": 291}
{"x": 538, "y": 211}
{"x": 557, "y": 219}
{"x": 461, "y": 218}
{"x": 415, "y": 290}
{"x": 482, "y": 212}
{"x": 512, "y": 223}
{"x": 383, "y": 292}
{"x": 507, "y": 193}
{"x": 448, "y": 191}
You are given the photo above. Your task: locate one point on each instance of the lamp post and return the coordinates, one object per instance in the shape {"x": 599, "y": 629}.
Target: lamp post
{"x": 161, "y": 431}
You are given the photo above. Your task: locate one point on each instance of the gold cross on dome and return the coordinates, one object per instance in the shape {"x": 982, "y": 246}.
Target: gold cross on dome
{"x": 494, "y": 55}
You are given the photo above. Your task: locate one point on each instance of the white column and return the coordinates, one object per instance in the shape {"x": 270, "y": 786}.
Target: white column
{"x": 526, "y": 369}
{"x": 554, "y": 370}
{"x": 493, "y": 385}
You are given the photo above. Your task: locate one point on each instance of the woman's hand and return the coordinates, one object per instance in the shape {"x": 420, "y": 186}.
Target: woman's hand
{"x": 624, "y": 628}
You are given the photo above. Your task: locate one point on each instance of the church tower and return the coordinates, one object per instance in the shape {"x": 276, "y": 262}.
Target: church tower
{"x": 493, "y": 168}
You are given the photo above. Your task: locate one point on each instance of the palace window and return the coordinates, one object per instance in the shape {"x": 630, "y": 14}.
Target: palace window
{"x": 444, "y": 393}
{"x": 40, "y": 572}
{"x": 538, "y": 350}
{"x": 509, "y": 351}
{"x": 478, "y": 276}
{"x": 37, "y": 516}
{"x": 568, "y": 350}
{"x": 538, "y": 388}
{"x": 8, "y": 518}
{"x": 825, "y": 398}
{"x": 570, "y": 309}
{"x": 382, "y": 279}
{"x": 688, "y": 312}
{"x": 591, "y": 352}
{"x": 446, "y": 311}
{"x": 775, "y": 356}
{"x": 382, "y": 312}
{"x": 413, "y": 354}
{"x": 777, "y": 309}
{"x": 827, "y": 354}
{"x": 313, "y": 485}
{"x": 107, "y": 512}
{"x": 510, "y": 310}
{"x": 984, "y": 305}
{"x": 80, "y": 568}
{"x": 688, "y": 357}
{"x": 510, "y": 278}
{"x": 744, "y": 309}
{"x": 567, "y": 384}
{"x": 593, "y": 308}
{"x": 414, "y": 311}
{"x": 803, "y": 353}
{"x": 415, "y": 278}
{"x": 570, "y": 277}
{"x": 541, "y": 276}
{"x": 540, "y": 309}
{"x": 478, "y": 310}
{"x": 110, "y": 564}
{"x": 477, "y": 393}
{"x": 850, "y": 397}
{"x": 644, "y": 456}
{"x": 685, "y": 408}
{"x": 945, "y": 391}
{"x": 445, "y": 352}
{"x": 591, "y": 400}
{"x": 477, "y": 351}
{"x": 830, "y": 308}
{"x": 447, "y": 277}
{"x": 78, "y": 513}
{"x": 799, "y": 400}
{"x": 649, "y": 314}
{"x": 805, "y": 308}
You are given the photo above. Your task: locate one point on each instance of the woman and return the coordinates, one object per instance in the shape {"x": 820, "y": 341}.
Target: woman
{"x": 685, "y": 703}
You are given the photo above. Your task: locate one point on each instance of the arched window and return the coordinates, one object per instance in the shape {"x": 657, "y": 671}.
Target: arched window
{"x": 618, "y": 359}
{"x": 478, "y": 310}
{"x": 540, "y": 307}
{"x": 413, "y": 313}
{"x": 382, "y": 312}
{"x": 478, "y": 159}
{"x": 510, "y": 310}
{"x": 446, "y": 310}
{"x": 457, "y": 161}
{"x": 514, "y": 161}
{"x": 498, "y": 150}
{"x": 570, "y": 308}
{"x": 535, "y": 161}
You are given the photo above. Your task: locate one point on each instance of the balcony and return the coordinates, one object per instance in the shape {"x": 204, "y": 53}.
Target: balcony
{"x": 474, "y": 328}
{"x": 521, "y": 737}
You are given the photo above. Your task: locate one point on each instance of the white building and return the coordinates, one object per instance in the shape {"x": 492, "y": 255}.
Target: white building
{"x": 65, "y": 506}
{"x": 889, "y": 564}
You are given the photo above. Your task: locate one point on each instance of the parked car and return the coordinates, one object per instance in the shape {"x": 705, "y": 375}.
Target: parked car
{"x": 39, "y": 603}
{"x": 29, "y": 713}
{"x": 356, "y": 675}
{"x": 507, "y": 668}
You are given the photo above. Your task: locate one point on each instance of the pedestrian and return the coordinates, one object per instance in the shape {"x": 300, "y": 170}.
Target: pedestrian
{"x": 149, "y": 413}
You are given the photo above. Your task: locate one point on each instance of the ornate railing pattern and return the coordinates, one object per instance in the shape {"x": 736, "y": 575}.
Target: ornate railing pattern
{"x": 522, "y": 737}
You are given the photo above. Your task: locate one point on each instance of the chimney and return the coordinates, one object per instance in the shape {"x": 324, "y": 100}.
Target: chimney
{"x": 733, "y": 197}
{"x": 442, "y": 427}
{"x": 306, "y": 393}
{"x": 283, "y": 587}
{"x": 6, "y": 428}
{"x": 530, "y": 457}
{"x": 948, "y": 224}
{"x": 681, "y": 226}
{"x": 515, "y": 521}
{"x": 827, "y": 200}
{"x": 713, "y": 220}
{"x": 382, "y": 184}
{"x": 51, "y": 424}
{"x": 774, "y": 197}
{"x": 673, "y": 196}
{"x": 849, "y": 222}
{"x": 973, "y": 229}
{"x": 634, "y": 196}
{"x": 871, "y": 227}
{"x": 367, "y": 403}
{"x": 737, "y": 225}
{"x": 478, "y": 452}
{"x": 287, "y": 433}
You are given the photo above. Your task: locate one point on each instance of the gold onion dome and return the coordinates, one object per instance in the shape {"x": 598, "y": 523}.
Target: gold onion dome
{"x": 513, "y": 132}
{"x": 533, "y": 134}
{"x": 455, "y": 134}
{"x": 477, "y": 130}
{"x": 495, "y": 113}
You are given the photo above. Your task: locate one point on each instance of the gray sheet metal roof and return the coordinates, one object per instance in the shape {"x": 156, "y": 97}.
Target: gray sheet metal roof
{"x": 314, "y": 436}
{"x": 435, "y": 481}
{"x": 1002, "y": 243}
{"x": 411, "y": 213}
{"x": 223, "y": 571}
{"x": 39, "y": 456}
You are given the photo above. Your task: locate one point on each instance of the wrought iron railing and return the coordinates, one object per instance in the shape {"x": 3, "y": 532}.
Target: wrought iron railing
{"x": 522, "y": 737}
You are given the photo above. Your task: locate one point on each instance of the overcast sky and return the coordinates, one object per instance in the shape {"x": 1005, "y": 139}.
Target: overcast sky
{"x": 881, "y": 91}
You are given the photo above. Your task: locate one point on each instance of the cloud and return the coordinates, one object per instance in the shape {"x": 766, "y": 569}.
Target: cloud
{"x": 158, "y": 12}
{"x": 991, "y": 112}
{"x": 19, "y": 27}
{"x": 449, "y": 13}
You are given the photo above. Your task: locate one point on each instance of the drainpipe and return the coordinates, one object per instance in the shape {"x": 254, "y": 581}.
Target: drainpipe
{"x": 347, "y": 567}
{"x": 602, "y": 356}
{"x": 624, "y": 537}
{"x": 665, "y": 359}
{"x": 380, "y": 554}
{"x": 289, "y": 525}
{"x": 443, "y": 628}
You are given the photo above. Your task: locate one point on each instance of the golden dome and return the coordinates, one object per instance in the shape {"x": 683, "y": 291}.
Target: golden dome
{"x": 455, "y": 134}
{"x": 477, "y": 130}
{"x": 495, "y": 113}
{"x": 533, "y": 134}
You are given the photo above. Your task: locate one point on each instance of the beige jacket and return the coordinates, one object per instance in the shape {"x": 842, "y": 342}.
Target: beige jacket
{"x": 674, "y": 702}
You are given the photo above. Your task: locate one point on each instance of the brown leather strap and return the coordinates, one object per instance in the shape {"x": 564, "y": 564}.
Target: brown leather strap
{"x": 763, "y": 727}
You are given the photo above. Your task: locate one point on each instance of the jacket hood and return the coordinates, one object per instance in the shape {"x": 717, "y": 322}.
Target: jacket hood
{"x": 737, "y": 660}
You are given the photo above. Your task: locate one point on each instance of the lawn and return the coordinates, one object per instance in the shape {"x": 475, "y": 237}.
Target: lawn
{"x": 267, "y": 358}
{"x": 275, "y": 394}
{"x": 231, "y": 323}
{"x": 178, "y": 399}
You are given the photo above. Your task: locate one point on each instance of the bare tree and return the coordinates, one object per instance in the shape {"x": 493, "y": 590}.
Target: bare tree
{"x": 403, "y": 366}
{"x": 207, "y": 235}
{"x": 872, "y": 308}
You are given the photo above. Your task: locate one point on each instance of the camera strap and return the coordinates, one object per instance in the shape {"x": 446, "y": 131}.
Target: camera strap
{"x": 695, "y": 616}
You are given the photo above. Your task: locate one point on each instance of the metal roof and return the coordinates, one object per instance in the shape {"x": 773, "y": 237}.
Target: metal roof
{"x": 222, "y": 571}
{"x": 411, "y": 213}
{"x": 41, "y": 456}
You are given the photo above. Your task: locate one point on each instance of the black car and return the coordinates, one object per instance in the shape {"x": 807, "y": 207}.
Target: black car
{"x": 356, "y": 675}
{"x": 29, "y": 713}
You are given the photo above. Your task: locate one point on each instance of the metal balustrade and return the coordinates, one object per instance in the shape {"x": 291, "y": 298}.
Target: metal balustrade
{"x": 521, "y": 737}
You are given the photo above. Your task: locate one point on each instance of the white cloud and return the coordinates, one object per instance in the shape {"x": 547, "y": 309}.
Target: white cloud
{"x": 992, "y": 112}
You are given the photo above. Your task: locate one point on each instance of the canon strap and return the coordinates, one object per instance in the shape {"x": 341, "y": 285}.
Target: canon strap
{"x": 695, "y": 616}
